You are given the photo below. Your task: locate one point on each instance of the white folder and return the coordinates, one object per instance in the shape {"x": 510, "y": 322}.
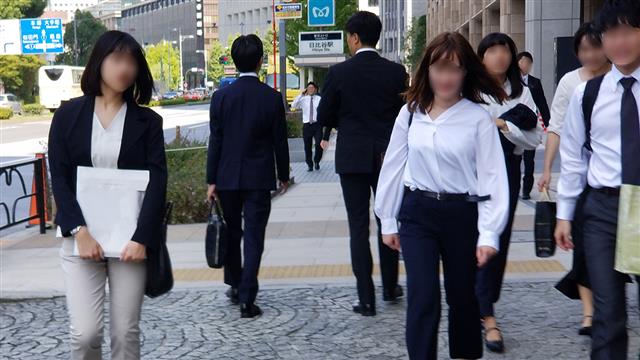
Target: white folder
{"x": 110, "y": 200}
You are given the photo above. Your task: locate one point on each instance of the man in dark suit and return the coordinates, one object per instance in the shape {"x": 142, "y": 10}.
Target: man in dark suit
{"x": 362, "y": 98}
{"x": 525, "y": 61}
{"x": 248, "y": 142}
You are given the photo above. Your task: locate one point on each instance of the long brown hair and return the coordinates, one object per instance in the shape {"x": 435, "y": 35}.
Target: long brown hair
{"x": 477, "y": 80}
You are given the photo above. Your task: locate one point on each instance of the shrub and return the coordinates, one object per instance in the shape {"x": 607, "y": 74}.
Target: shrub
{"x": 176, "y": 101}
{"x": 5, "y": 113}
{"x": 187, "y": 187}
{"x": 32, "y": 109}
{"x": 294, "y": 124}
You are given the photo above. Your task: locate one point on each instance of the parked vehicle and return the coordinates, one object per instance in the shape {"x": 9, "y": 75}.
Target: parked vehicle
{"x": 193, "y": 95}
{"x": 169, "y": 95}
{"x": 10, "y": 101}
{"x": 58, "y": 83}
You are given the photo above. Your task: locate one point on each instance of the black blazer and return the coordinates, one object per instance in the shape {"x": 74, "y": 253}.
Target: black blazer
{"x": 362, "y": 98}
{"x": 248, "y": 127}
{"x": 537, "y": 92}
{"x": 142, "y": 149}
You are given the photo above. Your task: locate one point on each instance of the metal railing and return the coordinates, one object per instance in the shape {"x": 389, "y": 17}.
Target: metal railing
{"x": 11, "y": 170}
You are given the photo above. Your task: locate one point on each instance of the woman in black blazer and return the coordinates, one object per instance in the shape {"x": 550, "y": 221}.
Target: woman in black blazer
{"x": 108, "y": 128}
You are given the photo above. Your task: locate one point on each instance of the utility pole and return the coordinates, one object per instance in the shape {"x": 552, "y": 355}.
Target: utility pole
{"x": 283, "y": 61}
{"x": 273, "y": 22}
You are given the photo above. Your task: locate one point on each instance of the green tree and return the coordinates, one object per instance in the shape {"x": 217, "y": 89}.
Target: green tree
{"x": 15, "y": 9}
{"x": 88, "y": 31}
{"x": 19, "y": 73}
{"x": 215, "y": 70}
{"x": 416, "y": 41}
{"x": 164, "y": 62}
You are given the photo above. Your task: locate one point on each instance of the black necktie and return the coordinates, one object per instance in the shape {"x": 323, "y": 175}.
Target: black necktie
{"x": 630, "y": 131}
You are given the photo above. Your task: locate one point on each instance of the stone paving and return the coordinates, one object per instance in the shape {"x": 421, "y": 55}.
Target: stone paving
{"x": 304, "y": 322}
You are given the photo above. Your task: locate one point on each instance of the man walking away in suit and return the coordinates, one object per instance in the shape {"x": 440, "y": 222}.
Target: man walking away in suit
{"x": 361, "y": 99}
{"x": 248, "y": 144}
{"x": 525, "y": 62}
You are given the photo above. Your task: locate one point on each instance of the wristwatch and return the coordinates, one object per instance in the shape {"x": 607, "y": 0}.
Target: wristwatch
{"x": 75, "y": 230}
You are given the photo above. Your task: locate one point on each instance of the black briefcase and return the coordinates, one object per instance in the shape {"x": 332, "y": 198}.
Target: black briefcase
{"x": 216, "y": 241}
{"x": 545, "y": 225}
{"x": 159, "y": 273}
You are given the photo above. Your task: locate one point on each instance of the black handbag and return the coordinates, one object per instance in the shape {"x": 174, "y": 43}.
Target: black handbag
{"x": 545, "y": 224}
{"x": 159, "y": 272}
{"x": 216, "y": 241}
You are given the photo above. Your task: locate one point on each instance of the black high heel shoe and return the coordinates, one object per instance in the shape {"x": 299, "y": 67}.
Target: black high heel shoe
{"x": 585, "y": 330}
{"x": 496, "y": 346}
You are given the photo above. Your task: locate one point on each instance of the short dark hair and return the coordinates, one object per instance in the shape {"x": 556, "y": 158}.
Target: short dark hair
{"x": 477, "y": 80}
{"x": 618, "y": 12}
{"x": 117, "y": 41}
{"x": 589, "y": 31}
{"x": 246, "y": 52}
{"x": 524, "y": 54}
{"x": 367, "y": 25}
{"x": 513, "y": 72}
{"x": 314, "y": 85}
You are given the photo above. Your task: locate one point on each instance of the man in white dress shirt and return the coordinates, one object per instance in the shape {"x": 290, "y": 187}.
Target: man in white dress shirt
{"x": 311, "y": 130}
{"x": 600, "y": 160}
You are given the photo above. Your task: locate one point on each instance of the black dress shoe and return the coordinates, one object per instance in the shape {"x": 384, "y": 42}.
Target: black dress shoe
{"x": 310, "y": 168}
{"x": 317, "y": 166}
{"x": 526, "y": 197}
{"x": 364, "y": 309}
{"x": 496, "y": 346}
{"x": 249, "y": 311}
{"x": 585, "y": 330}
{"x": 232, "y": 294}
{"x": 393, "y": 295}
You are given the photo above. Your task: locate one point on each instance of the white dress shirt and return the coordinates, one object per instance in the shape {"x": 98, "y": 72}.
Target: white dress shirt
{"x": 566, "y": 86}
{"x": 458, "y": 152}
{"x": 304, "y": 102}
{"x": 603, "y": 168}
{"x": 252, "y": 74}
{"x": 522, "y": 139}
{"x": 105, "y": 143}
{"x": 365, "y": 49}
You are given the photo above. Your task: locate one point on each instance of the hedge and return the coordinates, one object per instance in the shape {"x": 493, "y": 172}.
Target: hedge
{"x": 32, "y": 109}
{"x": 176, "y": 101}
{"x": 5, "y": 113}
{"x": 294, "y": 124}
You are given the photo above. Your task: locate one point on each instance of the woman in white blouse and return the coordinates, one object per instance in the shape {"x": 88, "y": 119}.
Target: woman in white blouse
{"x": 440, "y": 180}
{"x": 520, "y": 129}
{"x": 588, "y": 49}
{"x": 107, "y": 128}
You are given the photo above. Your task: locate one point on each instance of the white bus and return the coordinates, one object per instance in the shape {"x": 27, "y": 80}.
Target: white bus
{"x": 58, "y": 83}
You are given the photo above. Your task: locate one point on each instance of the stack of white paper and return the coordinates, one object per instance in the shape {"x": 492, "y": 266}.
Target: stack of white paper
{"x": 110, "y": 200}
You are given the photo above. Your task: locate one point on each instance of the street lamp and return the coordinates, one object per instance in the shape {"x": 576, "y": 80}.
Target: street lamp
{"x": 204, "y": 54}
{"x": 180, "y": 39}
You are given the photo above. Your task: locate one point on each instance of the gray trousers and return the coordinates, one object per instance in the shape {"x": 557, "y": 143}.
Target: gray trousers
{"x": 85, "y": 282}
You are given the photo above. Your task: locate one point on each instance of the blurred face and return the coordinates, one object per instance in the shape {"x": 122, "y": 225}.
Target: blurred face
{"x": 591, "y": 57}
{"x": 621, "y": 44}
{"x": 525, "y": 65}
{"x": 446, "y": 78}
{"x": 497, "y": 60}
{"x": 353, "y": 42}
{"x": 119, "y": 71}
{"x": 311, "y": 90}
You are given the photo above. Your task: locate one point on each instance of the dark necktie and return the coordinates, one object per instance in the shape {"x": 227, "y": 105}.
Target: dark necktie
{"x": 311, "y": 120}
{"x": 630, "y": 131}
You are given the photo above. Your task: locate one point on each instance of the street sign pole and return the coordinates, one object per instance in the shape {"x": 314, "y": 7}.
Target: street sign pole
{"x": 283, "y": 61}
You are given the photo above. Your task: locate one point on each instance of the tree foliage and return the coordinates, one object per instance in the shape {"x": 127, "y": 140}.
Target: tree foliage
{"x": 416, "y": 41}
{"x": 88, "y": 31}
{"x": 164, "y": 62}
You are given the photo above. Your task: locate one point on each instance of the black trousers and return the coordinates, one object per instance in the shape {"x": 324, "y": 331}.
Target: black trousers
{"x": 356, "y": 190}
{"x": 431, "y": 230}
{"x": 490, "y": 277}
{"x": 312, "y": 133}
{"x": 254, "y": 206}
{"x": 529, "y": 166}
{"x": 600, "y": 221}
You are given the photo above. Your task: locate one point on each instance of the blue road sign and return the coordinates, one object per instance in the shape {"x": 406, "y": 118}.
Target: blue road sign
{"x": 40, "y": 36}
{"x": 321, "y": 13}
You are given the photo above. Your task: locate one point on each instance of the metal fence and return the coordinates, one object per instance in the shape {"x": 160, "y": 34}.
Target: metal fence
{"x": 11, "y": 173}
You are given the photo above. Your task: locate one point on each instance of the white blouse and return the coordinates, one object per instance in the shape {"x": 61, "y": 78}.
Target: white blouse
{"x": 458, "y": 152}
{"x": 566, "y": 86}
{"x": 105, "y": 143}
{"x": 522, "y": 139}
